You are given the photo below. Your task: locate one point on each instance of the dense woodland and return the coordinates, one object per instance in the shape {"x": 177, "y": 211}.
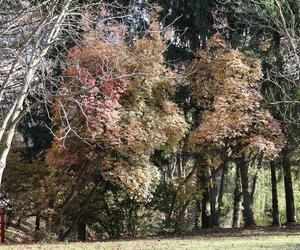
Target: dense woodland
{"x": 135, "y": 118}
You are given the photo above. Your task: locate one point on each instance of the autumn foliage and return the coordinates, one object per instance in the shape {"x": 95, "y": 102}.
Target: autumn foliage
{"x": 225, "y": 84}
{"x": 122, "y": 112}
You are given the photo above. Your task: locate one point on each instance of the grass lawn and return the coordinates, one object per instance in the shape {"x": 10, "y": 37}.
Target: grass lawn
{"x": 272, "y": 242}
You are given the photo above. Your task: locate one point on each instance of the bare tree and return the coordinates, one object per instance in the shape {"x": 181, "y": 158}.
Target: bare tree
{"x": 27, "y": 33}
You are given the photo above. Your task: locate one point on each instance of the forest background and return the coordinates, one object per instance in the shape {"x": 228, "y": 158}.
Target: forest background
{"x": 134, "y": 118}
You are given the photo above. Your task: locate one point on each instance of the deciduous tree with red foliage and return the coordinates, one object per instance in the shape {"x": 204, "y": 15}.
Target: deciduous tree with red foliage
{"x": 122, "y": 112}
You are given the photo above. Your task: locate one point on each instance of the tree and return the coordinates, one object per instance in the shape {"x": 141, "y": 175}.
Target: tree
{"x": 277, "y": 23}
{"x": 225, "y": 84}
{"x": 22, "y": 56}
{"x": 121, "y": 115}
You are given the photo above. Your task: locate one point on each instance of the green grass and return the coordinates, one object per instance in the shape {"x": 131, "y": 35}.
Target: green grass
{"x": 197, "y": 242}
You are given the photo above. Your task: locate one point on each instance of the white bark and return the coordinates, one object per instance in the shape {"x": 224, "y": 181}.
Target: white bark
{"x": 12, "y": 117}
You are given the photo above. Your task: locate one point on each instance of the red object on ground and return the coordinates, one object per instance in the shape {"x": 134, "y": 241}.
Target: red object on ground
{"x": 2, "y": 224}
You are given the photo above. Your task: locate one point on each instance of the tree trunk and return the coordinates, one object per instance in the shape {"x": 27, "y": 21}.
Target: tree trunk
{"x": 247, "y": 200}
{"x": 203, "y": 179}
{"x": 255, "y": 177}
{"x": 220, "y": 195}
{"x": 205, "y": 214}
{"x": 81, "y": 230}
{"x": 77, "y": 217}
{"x": 197, "y": 214}
{"x": 49, "y": 216}
{"x": 4, "y": 150}
{"x": 180, "y": 221}
{"x": 288, "y": 186}
{"x": 132, "y": 219}
{"x": 275, "y": 210}
{"x": 171, "y": 210}
{"x": 213, "y": 193}
{"x": 68, "y": 199}
{"x": 237, "y": 199}
{"x": 37, "y": 226}
{"x": 254, "y": 187}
